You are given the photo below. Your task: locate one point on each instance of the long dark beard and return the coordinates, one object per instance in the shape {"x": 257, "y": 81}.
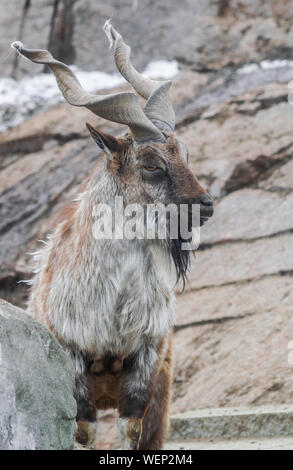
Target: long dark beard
{"x": 180, "y": 257}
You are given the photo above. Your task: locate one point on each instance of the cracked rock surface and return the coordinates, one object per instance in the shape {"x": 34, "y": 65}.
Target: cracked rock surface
{"x": 205, "y": 36}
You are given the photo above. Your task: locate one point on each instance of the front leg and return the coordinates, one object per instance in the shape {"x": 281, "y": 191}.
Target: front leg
{"x": 86, "y": 434}
{"x": 130, "y": 430}
{"x": 140, "y": 371}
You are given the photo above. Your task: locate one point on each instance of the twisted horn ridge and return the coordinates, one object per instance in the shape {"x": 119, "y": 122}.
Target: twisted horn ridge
{"x": 158, "y": 107}
{"x": 123, "y": 108}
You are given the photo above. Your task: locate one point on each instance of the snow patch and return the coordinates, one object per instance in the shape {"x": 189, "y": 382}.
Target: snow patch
{"x": 161, "y": 69}
{"x": 264, "y": 65}
{"x": 28, "y": 96}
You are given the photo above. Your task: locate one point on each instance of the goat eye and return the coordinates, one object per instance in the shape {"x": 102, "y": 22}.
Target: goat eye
{"x": 151, "y": 168}
{"x": 152, "y": 174}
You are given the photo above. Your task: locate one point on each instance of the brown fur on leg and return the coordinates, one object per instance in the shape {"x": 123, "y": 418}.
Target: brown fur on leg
{"x": 155, "y": 421}
{"x": 86, "y": 412}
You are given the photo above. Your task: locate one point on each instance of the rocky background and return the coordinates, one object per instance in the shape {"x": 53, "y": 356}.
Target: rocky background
{"x": 234, "y": 323}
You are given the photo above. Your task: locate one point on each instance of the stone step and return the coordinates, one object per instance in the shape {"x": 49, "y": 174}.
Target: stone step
{"x": 264, "y": 443}
{"x": 250, "y": 423}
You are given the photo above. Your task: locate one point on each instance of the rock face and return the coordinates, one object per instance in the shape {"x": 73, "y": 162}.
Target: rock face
{"x": 205, "y": 35}
{"x": 37, "y": 408}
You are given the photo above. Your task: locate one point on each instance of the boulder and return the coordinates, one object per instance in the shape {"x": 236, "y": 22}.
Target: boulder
{"x": 37, "y": 408}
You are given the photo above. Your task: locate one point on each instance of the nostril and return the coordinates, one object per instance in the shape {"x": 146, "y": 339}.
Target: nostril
{"x": 205, "y": 200}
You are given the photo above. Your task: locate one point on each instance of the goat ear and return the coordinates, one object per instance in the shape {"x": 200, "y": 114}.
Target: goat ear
{"x": 109, "y": 144}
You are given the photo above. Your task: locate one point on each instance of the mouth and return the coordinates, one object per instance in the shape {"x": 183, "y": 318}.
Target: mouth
{"x": 203, "y": 220}
{"x": 205, "y": 214}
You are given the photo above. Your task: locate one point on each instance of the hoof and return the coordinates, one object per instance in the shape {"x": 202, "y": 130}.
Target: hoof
{"x": 130, "y": 431}
{"x": 86, "y": 434}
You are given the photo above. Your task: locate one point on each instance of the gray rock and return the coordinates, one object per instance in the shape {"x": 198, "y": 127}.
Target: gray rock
{"x": 263, "y": 421}
{"x": 205, "y": 35}
{"x": 281, "y": 180}
{"x": 260, "y": 443}
{"x": 31, "y": 26}
{"x": 250, "y": 214}
{"x": 242, "y": 261}
{"x": 235, "y": 300}
{"x": 37, "y": 408}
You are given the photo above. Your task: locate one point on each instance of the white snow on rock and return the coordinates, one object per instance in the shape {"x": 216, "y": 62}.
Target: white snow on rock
{"x": 28, "y": 96}
{"x": 161, "y": 69}
{"x": 264, "y": 65}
